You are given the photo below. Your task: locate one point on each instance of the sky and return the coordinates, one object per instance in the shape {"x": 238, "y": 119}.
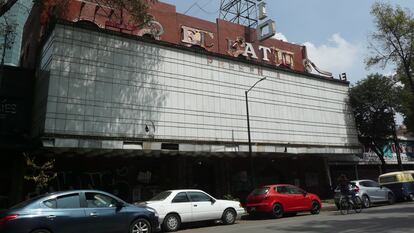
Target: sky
{"x": 335, "y": 32}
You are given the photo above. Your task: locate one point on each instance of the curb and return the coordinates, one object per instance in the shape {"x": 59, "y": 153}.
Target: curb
{"x": 328, "y": 207}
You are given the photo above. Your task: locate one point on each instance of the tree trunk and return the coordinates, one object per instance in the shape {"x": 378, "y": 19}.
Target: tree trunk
{"x": 410, "y": 77}
{"x": 380, "y": 155}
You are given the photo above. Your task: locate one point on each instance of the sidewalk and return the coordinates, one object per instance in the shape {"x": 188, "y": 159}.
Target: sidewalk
{"x": 327, "y": 206}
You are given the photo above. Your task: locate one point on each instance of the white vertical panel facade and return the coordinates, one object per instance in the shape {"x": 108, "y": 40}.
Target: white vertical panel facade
{"x": 106, "y": 85}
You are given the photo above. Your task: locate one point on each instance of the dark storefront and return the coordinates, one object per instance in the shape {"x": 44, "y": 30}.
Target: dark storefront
{"x": 16, "y": 95}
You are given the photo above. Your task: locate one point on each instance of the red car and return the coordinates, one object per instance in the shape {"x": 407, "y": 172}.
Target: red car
{"x": 280, "y": 199}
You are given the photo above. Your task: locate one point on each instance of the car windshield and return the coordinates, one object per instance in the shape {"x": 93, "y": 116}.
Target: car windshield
{"x": 260, "y": 191}
{"x": 161, "y": 196}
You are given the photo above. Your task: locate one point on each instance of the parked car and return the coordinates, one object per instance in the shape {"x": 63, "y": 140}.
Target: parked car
{"x": 369, "y": 191}
{"x": 182, "y": 206}
{"x": 280, "y": 199}
{"x": 78, "y": 211}
{"x": 401, "y": 183}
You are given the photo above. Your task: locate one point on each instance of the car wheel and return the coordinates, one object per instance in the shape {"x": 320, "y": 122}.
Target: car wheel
{"x": 365, "y": 201}
{"x": 171, "y": 222}
{"x": 277, "y": 210}
{"x": 140, "y": 226}
{"x": 229, "y": 217}
{"x": 411, "y": 197}
{"x": 41, "y": 231}
{"x": 316, "y": 208}
{"x": 391, "y": 198}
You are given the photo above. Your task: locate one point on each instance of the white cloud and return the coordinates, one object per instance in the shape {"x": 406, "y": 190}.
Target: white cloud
{"x": 280, "y": 36}
{"x": 337, "y": 56}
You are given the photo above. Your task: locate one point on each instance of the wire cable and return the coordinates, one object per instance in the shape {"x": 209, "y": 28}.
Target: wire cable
{"x": 201, "y": 8}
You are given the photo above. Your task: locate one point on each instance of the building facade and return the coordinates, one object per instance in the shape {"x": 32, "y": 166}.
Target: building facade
{"x": 138, "y": 110}
{"x": 16, "y": 18}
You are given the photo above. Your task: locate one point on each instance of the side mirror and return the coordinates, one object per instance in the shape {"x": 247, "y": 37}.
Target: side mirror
{"x": 212, "y": 200}
{"x": 305, "y": 193}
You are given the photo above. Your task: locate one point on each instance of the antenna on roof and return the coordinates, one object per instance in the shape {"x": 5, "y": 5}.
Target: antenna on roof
{"x": 250, "y": 13}
{"x": 242, "y": 12}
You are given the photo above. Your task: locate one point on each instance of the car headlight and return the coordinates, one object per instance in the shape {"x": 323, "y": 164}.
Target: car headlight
{"x": 152, "y": 210}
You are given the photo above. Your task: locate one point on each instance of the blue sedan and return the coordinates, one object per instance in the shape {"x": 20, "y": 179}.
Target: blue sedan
{"x": 89, "y": 211}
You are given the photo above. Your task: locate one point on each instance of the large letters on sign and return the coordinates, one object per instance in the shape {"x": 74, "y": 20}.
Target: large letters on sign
{"x": 279, "y": 57}
{"x": 192, "y": 36}
{"x": 235, "y": 48}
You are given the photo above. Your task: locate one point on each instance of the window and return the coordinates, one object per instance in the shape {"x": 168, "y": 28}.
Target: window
{"x": 260, "y": 191}
{"x": 388, "y": 179}
{"x": 51, "y": 203}
{"x": 161, "y": 196}
{"x": 68, "y": 201}
{"x": 198, "y": 197}
{"x": 294, "y": 190}
{"x": 98, "y": 200}
{"x": 282, "y": 189}
{"x": 181, "y": 197}
{"x": 364, "y": 184}
{"x": 373, "y": 184}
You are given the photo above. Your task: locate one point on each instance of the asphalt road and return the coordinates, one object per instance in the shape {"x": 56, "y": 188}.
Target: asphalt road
{"x": 381, "y": 219}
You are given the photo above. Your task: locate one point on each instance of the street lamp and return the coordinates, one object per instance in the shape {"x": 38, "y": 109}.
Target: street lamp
{"x": 248, "y": 131}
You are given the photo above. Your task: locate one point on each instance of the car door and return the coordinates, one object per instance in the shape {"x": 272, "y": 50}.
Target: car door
{"x": 64, "y": 214}
{"x": 103, "y": 214}
{"x": 203, "y": 206}
{"x": 284, "y": 197}
{"x": 182, "y": 205}
{"x": 366, "y": 186}
{"x": 299, "y": 199}
{"x": 381, "y": 194}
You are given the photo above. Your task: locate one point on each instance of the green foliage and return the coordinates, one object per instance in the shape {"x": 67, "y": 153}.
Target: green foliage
{"x": 374, "y": 101}
{"x": 42, "y": 174}
{"x": 393, "y": 42}
{"x": 394, "y": 36}
{"x": 407, "y": 100}
{"x": 136, "y": 8}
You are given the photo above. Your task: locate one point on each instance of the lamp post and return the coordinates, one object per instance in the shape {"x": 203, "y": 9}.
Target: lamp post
{"x": 248, "y": 131}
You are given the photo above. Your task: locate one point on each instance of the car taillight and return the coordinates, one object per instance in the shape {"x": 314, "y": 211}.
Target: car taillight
{"x": 7, "y": 218}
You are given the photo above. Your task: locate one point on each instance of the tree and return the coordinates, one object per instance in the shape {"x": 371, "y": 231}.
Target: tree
{"x": 137, "y": 9}
{"x": 407, "y": 101}
{"x": 5, "y": 6}
{"x": 373, "y": 101}
{"x": 40, "y": 174}
{"x": 393, "y": 42}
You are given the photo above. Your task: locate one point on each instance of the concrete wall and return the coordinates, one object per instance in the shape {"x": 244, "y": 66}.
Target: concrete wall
{"x": 107, "y": 85}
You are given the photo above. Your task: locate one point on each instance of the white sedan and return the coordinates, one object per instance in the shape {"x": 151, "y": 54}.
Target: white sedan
{"x": 189, "y": 205}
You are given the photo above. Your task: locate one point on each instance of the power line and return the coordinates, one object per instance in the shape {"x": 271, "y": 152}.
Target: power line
{"x": 192, "y": 5}
{"x": 200, "y": 7}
